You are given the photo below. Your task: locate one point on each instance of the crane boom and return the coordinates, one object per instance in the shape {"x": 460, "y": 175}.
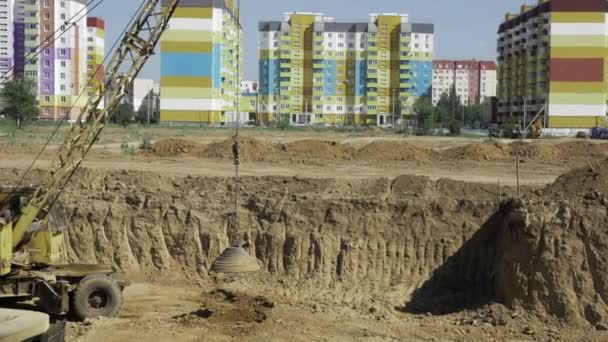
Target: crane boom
{"x": 135, "y": 49}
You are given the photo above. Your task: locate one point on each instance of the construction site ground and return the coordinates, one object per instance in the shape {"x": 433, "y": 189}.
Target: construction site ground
{"x": 362, "y": 236}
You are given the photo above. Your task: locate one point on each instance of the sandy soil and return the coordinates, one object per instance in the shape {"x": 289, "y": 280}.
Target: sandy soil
{"x": 157, "y": 312}
{"x": 533, "y": 171}
{"x": 344, "y": 239}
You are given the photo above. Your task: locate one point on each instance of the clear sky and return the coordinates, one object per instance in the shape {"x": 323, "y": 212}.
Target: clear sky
{"x": 463, "y": 28}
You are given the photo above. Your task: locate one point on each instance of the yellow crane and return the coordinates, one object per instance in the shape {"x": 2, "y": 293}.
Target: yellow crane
{"x": 31, "y": 236}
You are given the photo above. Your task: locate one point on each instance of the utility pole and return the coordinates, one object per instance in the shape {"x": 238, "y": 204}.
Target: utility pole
{"x": 393, "y": 123}
{"x": 462, "y": 114}
{"x": 525, "y": 132}
{"x": 150, "y": 94}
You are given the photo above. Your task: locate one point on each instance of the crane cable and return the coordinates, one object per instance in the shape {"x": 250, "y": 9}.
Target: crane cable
{"x": 236, "y": 147}
{"x": 36, "y": 51}
{"x": 110, "y": 52}
{"x": 65, "y": 117}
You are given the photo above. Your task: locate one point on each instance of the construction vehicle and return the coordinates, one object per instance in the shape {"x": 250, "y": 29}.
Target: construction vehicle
{"x": 31, "y": 224}
{"x": 535, "y": 130}
{"x": 600, "y": 131}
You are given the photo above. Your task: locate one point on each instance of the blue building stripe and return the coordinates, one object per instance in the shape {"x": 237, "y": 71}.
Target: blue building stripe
{"x": 216, "y": 68}
{"x": 361, "y": 78}
{"x": 330, "y": 78}
{"x": 422, "y": 80}
{"x": 269, "y": 76}
{"x": 186, "y": 64}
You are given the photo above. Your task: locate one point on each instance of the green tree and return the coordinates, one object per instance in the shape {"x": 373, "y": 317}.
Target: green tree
{"x": 473, "y": 115}
{"x": 423, "y": 108}
{"x": 123, "y": 114}
{"x": 18, "y": 98}
{"x": 142, "y": 112}
{"x": 454, "y": 127}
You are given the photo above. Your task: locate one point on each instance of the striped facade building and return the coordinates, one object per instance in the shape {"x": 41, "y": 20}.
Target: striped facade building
{"x": 11, "y": 37}
{"x": 313, "y": 69}
{"x": 61, "y": 70}
{"x": 554, "y": 56}
{"x": 95, "y": 54}
{"x": 199, "y": 74}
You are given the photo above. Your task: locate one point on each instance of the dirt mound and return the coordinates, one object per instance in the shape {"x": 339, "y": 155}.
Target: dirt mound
{"x": 546, "y": 253}
{"x": 477, "y": 152}
{"x": 533, "y": 151}
{"x": 320, "y": 149}
{"x": 223, "y": 306}
{"x": 582, "y": 149}
{"x": 553, "y": 259}
{"x": 251, "y": 150}
{"x": 174, "y": 147}
{"x": 393, "y": 150}
{"x": 588, "y": 180}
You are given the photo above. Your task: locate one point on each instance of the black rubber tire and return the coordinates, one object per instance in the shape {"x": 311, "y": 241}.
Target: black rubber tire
{"x": 97, "y": 290}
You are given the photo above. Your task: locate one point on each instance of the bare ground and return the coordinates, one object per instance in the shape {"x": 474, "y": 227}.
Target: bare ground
{"x": 350, "y": 249}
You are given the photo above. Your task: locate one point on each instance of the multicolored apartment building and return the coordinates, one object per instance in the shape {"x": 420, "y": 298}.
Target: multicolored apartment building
{"x": 95, "y": 54}
{"x": 61, "y": 70}
{"x": 313, "y": 69}
{"x": 200, "y": 77}
{"x": 553, "y": 60}
{"x": 474, "y": 80}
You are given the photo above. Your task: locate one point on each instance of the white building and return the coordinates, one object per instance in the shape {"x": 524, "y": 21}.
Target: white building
{"x": 474, "y": 80}
{"x": 249, "y": 87}
{"x": 141, "y": 89}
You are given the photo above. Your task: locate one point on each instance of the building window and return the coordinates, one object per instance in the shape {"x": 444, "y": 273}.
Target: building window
{"x": 62, "y": 99}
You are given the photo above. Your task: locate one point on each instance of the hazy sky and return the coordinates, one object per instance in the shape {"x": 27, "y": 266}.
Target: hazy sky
{"x": 463, "y": 28}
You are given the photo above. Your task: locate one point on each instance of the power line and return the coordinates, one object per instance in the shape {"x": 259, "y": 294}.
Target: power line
{"x": 64, "y": 118}
{"x": 38, "y": 50}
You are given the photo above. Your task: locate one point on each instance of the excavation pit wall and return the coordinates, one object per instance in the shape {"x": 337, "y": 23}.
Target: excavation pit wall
{"x": 382, "y": 231}
{"x": 425, "y": 246}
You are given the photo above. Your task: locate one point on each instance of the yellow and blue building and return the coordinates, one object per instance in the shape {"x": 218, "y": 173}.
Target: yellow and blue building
{"x": 313, "y": 69}
{"x": 199, "y": 73}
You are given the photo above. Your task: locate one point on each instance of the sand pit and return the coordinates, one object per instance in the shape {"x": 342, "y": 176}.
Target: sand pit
{"x": 340, "y": 253}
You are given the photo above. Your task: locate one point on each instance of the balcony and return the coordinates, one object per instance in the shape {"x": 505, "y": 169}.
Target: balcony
{"x": 32, "y": 31}
{"x": 31, "y": 20}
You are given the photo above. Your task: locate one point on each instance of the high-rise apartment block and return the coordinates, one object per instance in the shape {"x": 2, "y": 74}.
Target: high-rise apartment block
{"x": 313, "y": 69}
{"x": 47, "y": 41}
{"x": 60, "y": 69}
{"x": 552, "y": 58}
{"x": 474, "y": 80}
{"x": 200, "y": 77}
{"x": 95, "y": 54}
{"x": 11, "y": 37}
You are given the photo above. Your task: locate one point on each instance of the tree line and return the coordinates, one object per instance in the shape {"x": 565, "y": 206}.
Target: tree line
{"x": 18, "y": 102}
{"x": 449, "y": 112}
